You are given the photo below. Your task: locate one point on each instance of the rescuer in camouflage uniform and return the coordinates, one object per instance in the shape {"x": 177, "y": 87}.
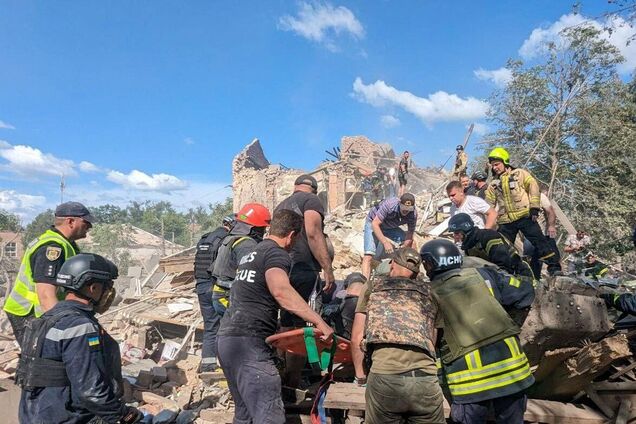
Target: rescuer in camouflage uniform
{"x": 399, "y": 316}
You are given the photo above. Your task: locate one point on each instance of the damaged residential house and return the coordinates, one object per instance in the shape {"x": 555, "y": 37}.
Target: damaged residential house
{"x": 582, "y": 363}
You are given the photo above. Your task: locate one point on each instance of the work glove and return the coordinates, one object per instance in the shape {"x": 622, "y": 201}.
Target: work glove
{"x": 610, "y": 299}
{"x": 131, "y": 416}
{"x": 534, "y": 213}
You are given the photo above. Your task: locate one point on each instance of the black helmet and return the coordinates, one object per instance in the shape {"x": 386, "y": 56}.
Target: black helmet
{"x": 228, "y": 220}
{"x": 479, "y": 176}
{"x": 442, "y": 254}
{"x": 459, "y": 147}
{"x": 85, "y": 268}
{"x": 462, "y": 222}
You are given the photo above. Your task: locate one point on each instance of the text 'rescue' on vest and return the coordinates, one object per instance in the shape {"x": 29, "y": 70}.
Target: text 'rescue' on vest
{"x": 23, "y": 297}
{"x": 471, "y": 316}
{"x": 224, "y": 272}
{"x": 400, "y": 311}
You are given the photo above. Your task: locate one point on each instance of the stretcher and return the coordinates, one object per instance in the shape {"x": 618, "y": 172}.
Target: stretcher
{"x": 295, "y": 341}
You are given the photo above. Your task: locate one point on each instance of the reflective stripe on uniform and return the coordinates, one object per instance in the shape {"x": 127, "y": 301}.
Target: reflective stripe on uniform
{"x": 23, "y": 297}
{"x": 479, "y": 378}
{"x": 55, "y": 334}
{"x": 492, "y": 243}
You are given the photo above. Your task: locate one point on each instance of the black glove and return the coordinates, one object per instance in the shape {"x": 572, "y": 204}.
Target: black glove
{"x": 609, "y": 298}
{"x": 131, "y": 416}
{"x": 534, "y": 213}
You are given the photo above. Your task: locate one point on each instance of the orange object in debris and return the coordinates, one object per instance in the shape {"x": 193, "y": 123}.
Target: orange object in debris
{"x": 293, "y": 341}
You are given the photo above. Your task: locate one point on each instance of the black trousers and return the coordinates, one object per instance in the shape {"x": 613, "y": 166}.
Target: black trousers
{"x": 507, "y": 410}
{"x": 253, "y": 380}
{"x": 532, "y": 232}
{"x": 304, "y": 281}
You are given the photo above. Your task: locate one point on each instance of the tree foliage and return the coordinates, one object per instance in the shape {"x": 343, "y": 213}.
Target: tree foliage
{"x": 9, "y": 221}
{"x": 39, "y": 225}
{"x": 570, "y": 120}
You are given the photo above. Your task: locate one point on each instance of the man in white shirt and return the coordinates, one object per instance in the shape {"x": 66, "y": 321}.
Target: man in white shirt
{"x": 576, "y": 245}
{"x": 482, "y": 214}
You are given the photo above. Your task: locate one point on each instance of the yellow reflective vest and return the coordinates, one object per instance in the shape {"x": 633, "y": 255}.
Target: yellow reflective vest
{"x": 23, "y": 297}
{"x": 514, "y": 194}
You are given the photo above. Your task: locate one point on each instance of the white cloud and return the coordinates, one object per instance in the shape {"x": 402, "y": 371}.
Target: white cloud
{"x": 321, "y": 21}
{"x": 437, "y": 107}
{"x": 620, "y": 35}
{"x": 480, "y": 129}
{"x": 189, "y": 141}
{"x": 138, "y": 180}
{"x": 27, "y": 160}
{"x": 389, "y": 121}
{"x": 85, "y": 166}
{"x": 6, "y": 126}
{"x": 500, "y": 77}
{"x": 21, "y": 204}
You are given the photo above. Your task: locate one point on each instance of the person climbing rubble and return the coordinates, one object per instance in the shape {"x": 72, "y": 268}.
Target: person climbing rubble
{"x": 482, "y": 214}
{"x": 382, "y": 225}
{"x": 461, "y": 162}
{"x": 483, "y": 364}
{"x": 248, "y": 230}
{"x": 206, "y": 251}
{"x": 396, "y": 316}
{"x": 488, "y": 244}
{"x": 70, "y": 368}
{"x": 594, "y": 268}
{"x": 547, "y": 222}
{"x": 403, "y": 172}
{"x": 262, "y": 289}
{"x": 516, "y": 194}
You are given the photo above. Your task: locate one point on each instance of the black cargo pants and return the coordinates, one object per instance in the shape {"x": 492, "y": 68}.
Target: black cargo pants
{"x": 532, "y": 232}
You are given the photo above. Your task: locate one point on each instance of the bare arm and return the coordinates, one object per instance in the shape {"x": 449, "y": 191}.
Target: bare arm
{"x": 47, "y": 295}
{"x": 408, "y": 241}
{"x": 491, "y": 219}
{"x": 318, "y": 245}
{"x": 550, "y": 216}
{"x": 279, "y": 286}
{"x": 388, "y": 244}
{"x": 357, "y": 333}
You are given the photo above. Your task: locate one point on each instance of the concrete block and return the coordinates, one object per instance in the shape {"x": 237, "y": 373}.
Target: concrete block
{"x": 159, "y": 374}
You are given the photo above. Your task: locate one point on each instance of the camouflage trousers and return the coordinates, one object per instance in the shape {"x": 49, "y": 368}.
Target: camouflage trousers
{"x": 413, "y": 397}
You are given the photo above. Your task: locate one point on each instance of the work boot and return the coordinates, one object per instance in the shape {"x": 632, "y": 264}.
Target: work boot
{"x": 209, "y": 366}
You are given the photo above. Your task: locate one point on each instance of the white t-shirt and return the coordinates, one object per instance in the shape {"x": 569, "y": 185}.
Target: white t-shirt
{"x": 475, "y": 207}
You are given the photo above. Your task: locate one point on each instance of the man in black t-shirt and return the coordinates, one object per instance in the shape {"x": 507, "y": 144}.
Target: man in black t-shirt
{"x": 309, "y": 254}
{"x": 261, "y": 288}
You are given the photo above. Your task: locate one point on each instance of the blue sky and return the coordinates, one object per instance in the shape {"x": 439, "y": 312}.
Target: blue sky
{"x": 151, "y": 100}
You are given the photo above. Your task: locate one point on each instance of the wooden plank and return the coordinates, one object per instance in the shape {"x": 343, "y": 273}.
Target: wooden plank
{"x": 623, "y": 412}
{"x": 350, "y": 396}
{"x": 623, "y": 371}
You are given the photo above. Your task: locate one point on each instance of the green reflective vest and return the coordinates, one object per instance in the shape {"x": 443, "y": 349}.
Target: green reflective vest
{"x": 23, "y": 297}
{"x": 470, "y": 315}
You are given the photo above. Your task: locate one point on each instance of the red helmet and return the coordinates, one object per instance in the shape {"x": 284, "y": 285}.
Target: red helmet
{"x": 254, "y": 214}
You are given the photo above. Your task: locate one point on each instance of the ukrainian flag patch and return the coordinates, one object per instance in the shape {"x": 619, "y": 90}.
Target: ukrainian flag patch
{"x": 93, "y": 342}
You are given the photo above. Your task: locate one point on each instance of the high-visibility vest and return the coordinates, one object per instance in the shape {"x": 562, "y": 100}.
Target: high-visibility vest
{"x": 23, "y": 297}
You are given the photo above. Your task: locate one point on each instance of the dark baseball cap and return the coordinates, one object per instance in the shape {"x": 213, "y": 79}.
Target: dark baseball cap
{"x": 407, "y": 202}
{"x": 307, "y": 180}
{"x": 354, "y": 277}
{"x": 408, "y": 258}
{"x": 74, "y": 209}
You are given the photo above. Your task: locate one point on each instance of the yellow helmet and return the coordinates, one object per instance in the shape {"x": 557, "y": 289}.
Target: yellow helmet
{"x": 499, "y": 153}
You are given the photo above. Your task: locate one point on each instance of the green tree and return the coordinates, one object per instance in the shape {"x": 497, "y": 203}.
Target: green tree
{"x": 109, "y": 214}
{"x": 39, "y": 225}
{"x": 9, "y": 221}
{"x": 112, "y": 241}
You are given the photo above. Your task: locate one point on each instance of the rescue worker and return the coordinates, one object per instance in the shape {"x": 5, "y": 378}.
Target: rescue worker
{"x": 310, "y": 255}
{"x": 206, "y": 251}
{"x": 70, "y": 368}
{"x": 547, "y": 222}
{"x": 34, "y": 291}
{"x": 594, "y": 268}
{"x": 403, "y": 172}
{"x": 262, "y": 288}
{"x": 340, "y": 310}
{"x": 479, "y": 184}
{"x": 461, "y": 161}
{"x": 398, "y": 316}
{"x": 516, "y": 194}
{"x": 383, "y": 226}
{"x": 489, "y": 245}
{"x": 248, "y": 230}
{"x": 625, "y": 302}
{"x": 482, "y": 362}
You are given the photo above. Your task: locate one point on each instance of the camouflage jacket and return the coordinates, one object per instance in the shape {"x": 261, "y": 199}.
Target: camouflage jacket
{"x": 400, "y": 311}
